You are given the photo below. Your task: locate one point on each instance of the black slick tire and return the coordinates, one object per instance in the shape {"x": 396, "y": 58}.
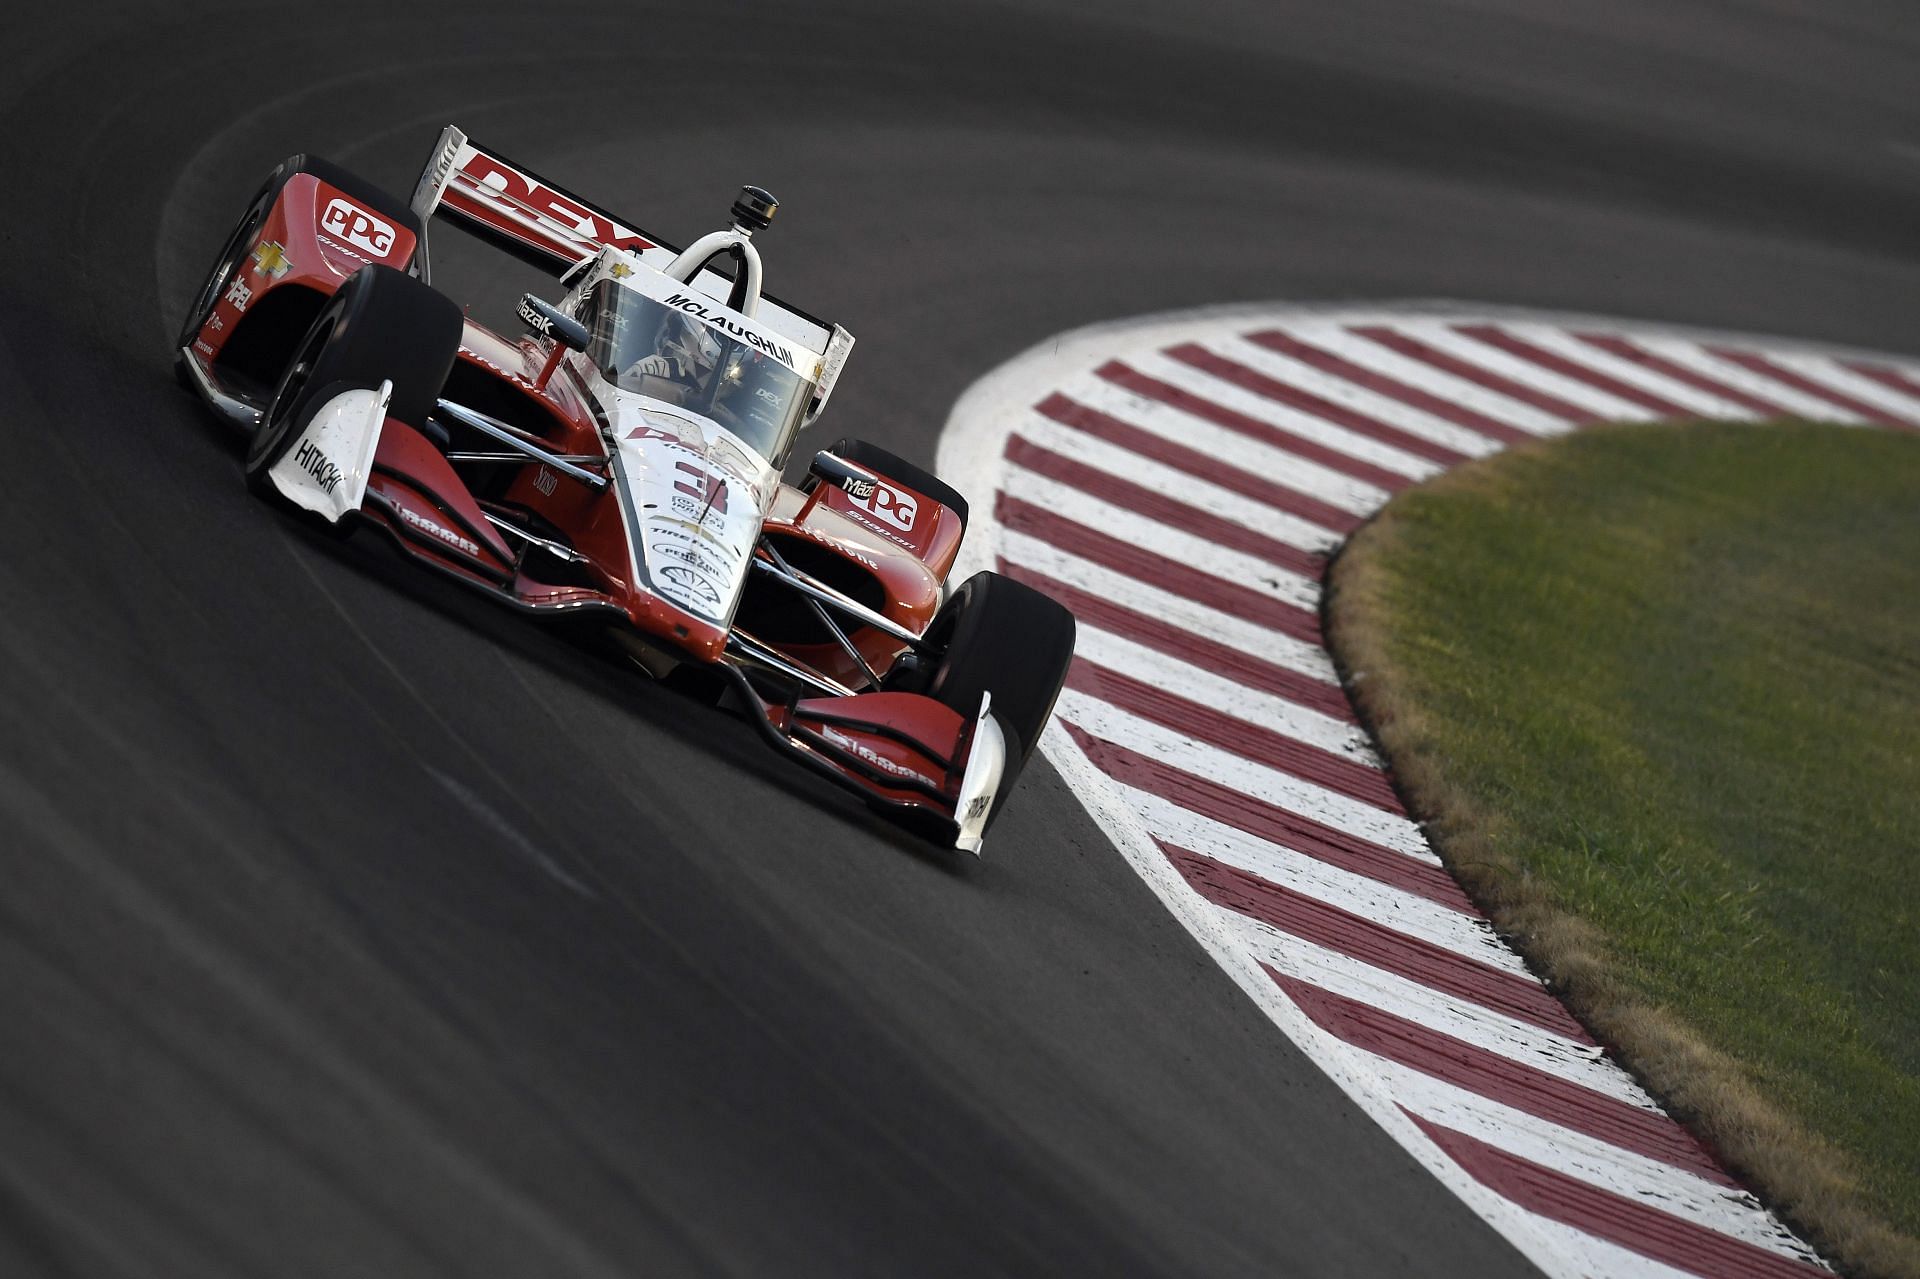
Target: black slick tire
{"x": 381, "y": 325}
{"x": 240, "y": 240}
{"x": 1005, "y": 637}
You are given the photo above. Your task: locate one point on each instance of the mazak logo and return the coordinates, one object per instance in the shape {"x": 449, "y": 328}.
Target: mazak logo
{"x": 318, "y": 465}
{"x": 357, "y": 227}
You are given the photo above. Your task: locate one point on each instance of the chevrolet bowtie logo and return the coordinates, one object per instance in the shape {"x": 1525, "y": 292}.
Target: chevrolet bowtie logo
{"x": 271, "y": 260}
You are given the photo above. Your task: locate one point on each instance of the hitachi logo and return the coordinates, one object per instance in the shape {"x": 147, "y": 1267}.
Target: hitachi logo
{"x": 316, "y": 464}
{"x": 719, "y": 320}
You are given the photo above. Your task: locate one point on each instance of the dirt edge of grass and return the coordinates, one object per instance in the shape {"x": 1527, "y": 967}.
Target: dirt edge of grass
{"x": 1795, "y": 1172}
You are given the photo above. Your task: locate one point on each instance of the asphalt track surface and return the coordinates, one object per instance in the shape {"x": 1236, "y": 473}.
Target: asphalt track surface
{"x": 351, "y": 926}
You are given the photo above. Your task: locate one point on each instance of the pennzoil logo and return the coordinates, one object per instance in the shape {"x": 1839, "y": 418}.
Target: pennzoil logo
{"x": 270, "y": 259}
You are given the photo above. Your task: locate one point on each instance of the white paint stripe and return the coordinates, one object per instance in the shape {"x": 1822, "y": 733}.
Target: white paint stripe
{"x": 1125, "y": 464}
{"x": 1690, "y": 355}
{"x": 1271, "y": 786}
{"x": 1418, "y": 917}
{"x": 1831, "y": 373}
{"x": 1565, "y": 345}
{"x": 1612, "y": 1168}
{"x": 1599, "y": 1258}
{"x": 1331, "y": 386}
{"x": 1442, "y": 337}
{"x": 1217, "y": 693}
{"x": 1175, "y": 610}
{"x": 1308, "y": 426}
{"x": 1232, "y": 448}
{"x": 1482, "y": 1027}
{"x": 1369, "y": 354}
{"x": 1235, "y": 568}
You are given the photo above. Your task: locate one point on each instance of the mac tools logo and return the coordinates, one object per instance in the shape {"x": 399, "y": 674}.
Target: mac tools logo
{"x": 357, "y": 227}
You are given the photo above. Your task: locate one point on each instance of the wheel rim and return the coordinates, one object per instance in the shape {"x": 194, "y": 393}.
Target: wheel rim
{"x": 278, "y": 418}
{"x": 223, "y": 269}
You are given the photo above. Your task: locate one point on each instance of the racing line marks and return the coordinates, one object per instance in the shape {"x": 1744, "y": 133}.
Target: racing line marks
{"x": 1180, "y": 482}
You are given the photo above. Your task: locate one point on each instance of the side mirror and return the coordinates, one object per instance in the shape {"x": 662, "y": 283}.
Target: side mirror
{"x": 550, "y": 321}
{"x": 842, "y": 474}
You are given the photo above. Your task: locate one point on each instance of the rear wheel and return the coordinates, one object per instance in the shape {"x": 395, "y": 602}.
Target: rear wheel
{"x": 241, "y": 239}
{"x": 382, "y": 325}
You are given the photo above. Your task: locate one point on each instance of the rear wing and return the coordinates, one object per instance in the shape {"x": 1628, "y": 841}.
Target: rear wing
{"x": 490, "y": 196}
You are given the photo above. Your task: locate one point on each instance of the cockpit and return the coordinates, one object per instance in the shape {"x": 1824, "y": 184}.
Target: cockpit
{"x": 647, "y": 347}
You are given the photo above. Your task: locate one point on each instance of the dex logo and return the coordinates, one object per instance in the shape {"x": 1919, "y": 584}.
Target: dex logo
{"x": 357, "y": 227}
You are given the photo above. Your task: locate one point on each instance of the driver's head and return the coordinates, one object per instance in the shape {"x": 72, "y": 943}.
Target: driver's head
{"x": 689, "y": 344}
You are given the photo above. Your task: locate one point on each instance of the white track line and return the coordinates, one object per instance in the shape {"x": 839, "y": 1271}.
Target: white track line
{"x": 1567, "y": 347}
{"x": 1111, "y": 459}
{"x": 1515, "y": 369}
{"x": 1308, "y": 426}
{"x": 1141, "y": 597}
{"x": 1338, "y": 340}
{"x": 1234, "y": 449}
{"x": 1348, "y": 394}
{"x": 1236, "y": 568}
{"x": 1269, "y": 786}
{"x": 1225, "y": 696}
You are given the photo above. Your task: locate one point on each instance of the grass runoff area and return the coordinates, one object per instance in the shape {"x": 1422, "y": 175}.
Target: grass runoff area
{"x": 1656, "y": 690}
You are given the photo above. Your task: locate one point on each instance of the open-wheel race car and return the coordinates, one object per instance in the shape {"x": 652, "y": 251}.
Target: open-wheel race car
{"x": 621, "y": 462}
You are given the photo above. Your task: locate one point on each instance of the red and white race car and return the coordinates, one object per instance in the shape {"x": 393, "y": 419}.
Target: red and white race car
{"x": 622, "y": 461}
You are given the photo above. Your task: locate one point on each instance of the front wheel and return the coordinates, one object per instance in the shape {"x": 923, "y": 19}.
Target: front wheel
{"x": 1008, "y": 639}
{"x": 381, "y": 325}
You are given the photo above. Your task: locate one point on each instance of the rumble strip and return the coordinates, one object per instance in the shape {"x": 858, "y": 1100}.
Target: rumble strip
{"x": 1179, "y": 483}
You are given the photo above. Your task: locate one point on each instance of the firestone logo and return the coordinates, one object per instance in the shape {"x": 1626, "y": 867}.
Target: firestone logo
{"x": 357, "y": 227}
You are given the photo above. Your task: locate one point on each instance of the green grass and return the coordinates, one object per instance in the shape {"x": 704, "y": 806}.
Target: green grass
{"x": 1666, "y": 680}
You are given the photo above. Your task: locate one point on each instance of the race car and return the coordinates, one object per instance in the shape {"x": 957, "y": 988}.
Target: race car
{"x": 621, "y": 461}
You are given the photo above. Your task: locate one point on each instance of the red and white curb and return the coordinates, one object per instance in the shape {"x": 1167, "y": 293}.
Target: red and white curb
{"x": 1179, "y": 483}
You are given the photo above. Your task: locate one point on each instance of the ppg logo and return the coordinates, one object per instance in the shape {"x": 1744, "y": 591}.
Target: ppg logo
{"x": 893, "y": 506}
{"x": 357, "y": 227}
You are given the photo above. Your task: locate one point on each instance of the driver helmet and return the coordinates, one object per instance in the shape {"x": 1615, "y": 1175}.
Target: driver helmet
{"x": 689, "y": 345}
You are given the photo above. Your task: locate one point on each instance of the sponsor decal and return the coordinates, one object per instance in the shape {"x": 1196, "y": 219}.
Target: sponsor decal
{"x": 696, "y": 535}
{"x": 688, "y": 556}
{"x": 484, "y": 171}
{"x": 976, "y": 808}
{"x": 318, "y": 465}
{"x": 545, "y": 481}
{"x": 200, "y": 345}
{"x": 854, "y": 746}
{"x": 704, "y": 487}
{"x": 720, "y": 320}
{"x": 693, "y": 584}
{"x": 215, "y": 323}
{"x": 621, "y": 270}
{"x": 536, "y": 319}
{"x": 434, "y": 529}
{"x": 238, "y": 295}
{"x": 357, "y": 227}
{"x": 340, "y": 248}
{"x": 890, "y": 504}
{"x": 271, "y": 260}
